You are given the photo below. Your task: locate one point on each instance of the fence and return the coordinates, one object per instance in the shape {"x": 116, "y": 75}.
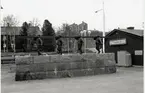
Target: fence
{"x": 14, "y": 43}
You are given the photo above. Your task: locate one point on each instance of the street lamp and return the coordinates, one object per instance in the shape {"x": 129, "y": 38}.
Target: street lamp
{"x": 89, "y": 32}
{"x": 98, "y": 10}
{"x": 81, "y": 33}
{"x": 4, "y": 45}
{"x": 84, "y": 32}
{"x": 103, "y": 26}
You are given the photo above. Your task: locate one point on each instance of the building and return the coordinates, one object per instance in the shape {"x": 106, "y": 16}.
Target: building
{"x": 74, "y": 28}
{"x": 130, "y": 40}
{"x": 79, "y": 27}
{"x": 32, "y": 31}
{"x": 8, "y": 36}
{"x": 83, "y": 26}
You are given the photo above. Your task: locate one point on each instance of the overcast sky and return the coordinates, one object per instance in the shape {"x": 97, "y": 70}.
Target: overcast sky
{"x": 119, "y": 13}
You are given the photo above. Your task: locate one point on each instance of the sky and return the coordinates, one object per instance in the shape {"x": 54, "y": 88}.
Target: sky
{"x": 118, "y": 13}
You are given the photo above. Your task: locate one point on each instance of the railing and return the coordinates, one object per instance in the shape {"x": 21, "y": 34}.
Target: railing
{"x": 69, "y": 43}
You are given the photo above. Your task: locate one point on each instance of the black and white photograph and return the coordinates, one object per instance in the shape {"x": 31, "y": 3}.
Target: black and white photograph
{"x": 72, "y": 46}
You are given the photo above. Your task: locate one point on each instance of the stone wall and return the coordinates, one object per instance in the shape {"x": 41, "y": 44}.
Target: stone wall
{"x": 58, "y": 66}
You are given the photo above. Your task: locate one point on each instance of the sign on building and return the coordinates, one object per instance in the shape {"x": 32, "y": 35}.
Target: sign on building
{"x": 138, "y": 52}
{"x": 118, "y": 42}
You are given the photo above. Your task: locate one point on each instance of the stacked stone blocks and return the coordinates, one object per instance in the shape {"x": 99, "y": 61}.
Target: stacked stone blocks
{"x": 59, "y": 66}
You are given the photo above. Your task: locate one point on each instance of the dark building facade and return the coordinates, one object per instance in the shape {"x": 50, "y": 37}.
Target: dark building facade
{"x": 130, "y": 40}
{"x": 9, "y": 37}
{"x": 83, "y": 26}
{"x": 79, "y": 27}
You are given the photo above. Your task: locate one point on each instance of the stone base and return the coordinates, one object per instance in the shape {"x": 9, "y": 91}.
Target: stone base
{"x": 60, "y": 66}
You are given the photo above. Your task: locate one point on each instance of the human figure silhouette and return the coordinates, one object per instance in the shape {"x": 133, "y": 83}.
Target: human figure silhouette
{"x": 98, "y": 43}
{"x": 39, "y": 44}
{"x": 59, "y": 45}
{"x": 80, "y": 44}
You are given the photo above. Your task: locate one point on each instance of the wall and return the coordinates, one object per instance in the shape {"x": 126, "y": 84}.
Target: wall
{"x": 60, "y": 66}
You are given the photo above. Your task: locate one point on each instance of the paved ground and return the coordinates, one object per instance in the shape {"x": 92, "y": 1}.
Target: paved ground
{"x": 126, "y": 80}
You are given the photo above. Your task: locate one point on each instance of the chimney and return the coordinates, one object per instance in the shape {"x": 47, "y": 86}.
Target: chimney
{"x": 130, "y": 28}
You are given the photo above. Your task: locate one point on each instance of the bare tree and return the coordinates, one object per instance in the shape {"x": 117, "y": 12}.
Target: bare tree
{"x": 34, "y": 22}
{"x": 10, "y": 20}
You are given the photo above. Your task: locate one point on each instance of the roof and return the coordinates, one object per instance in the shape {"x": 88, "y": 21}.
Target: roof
{"x": 10, "y": 30}
{"x": 133, "y": 31}
{"x": 16, "y": 30}
{"x": 137, "y": 32}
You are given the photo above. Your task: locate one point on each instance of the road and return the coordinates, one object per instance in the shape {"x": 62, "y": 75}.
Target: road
{"x": 126, "y": 80}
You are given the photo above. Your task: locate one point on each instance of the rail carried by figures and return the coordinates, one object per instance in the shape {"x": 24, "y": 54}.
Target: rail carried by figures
{"x": 49, "y": 43}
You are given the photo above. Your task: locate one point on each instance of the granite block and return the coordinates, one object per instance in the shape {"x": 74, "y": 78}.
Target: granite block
{"x": 91, "y": 65}
{"x": 51, "y": 74}
{"x": 109, "y": 62}
{"x": 91, "y": 57}
{"x": 99, "y": 62}
{"x": 42, "y": 67}
{"x": 33, "y": 76}
{"x": 78, "y": 72}
{"x": 79, "y": 65}
{"x": 22, "y": 68}
{"x": 24, "y": 60}
{"x": 62, "y": 66}
{"x": 60, "y": 58}
{"x": 89, "y": 72}
{"x": 24, "y": 76}
{"x": 39, "y": 67}
{"x": 42, "y": 59}
{"x": 55, "y": 58}
{"x": 110, "y": 69}
{"x": 100, "y": 70}
{"x": 58, "y": 66}
{"x": 73, "y": 65}
{"x": 85, "y": 65}
{"x": 77, "y": 58}
{"x": 66, "y": 58}
{"x": 19, "y": 76}
{"x": 64, "y": 74}
{"x": 40, "y": 75}
{"x": 50, "y": 66}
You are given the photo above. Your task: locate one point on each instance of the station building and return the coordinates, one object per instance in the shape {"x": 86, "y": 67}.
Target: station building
{"x": 130, "y": 40}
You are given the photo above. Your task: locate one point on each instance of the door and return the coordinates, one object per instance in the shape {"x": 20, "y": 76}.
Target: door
{"x": 138, "y": 58}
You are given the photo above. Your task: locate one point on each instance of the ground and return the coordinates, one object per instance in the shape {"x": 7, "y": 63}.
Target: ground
{"x": 126, "y": 80}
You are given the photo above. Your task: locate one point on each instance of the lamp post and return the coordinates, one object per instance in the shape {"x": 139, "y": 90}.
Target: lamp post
{"x": 4, "y": 45}
{"x": 103, "y": 26}
{"x": 89, "y": 32}
{"x": 85, "y": 31}
{"x": 13, "y": 40}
